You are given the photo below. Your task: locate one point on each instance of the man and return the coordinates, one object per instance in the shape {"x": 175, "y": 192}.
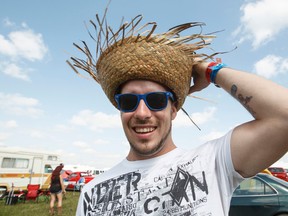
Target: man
{"x": 147, "y": 77}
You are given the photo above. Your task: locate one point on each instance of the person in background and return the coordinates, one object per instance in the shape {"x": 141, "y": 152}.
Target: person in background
{"x": 81, "y": 182}
{"x": 57, "y": 189}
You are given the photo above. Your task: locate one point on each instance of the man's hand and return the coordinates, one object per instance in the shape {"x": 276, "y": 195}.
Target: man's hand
{"x": 199, "y": 76}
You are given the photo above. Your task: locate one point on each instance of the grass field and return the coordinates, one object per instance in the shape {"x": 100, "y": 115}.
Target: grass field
{"x": 41, "y": 208}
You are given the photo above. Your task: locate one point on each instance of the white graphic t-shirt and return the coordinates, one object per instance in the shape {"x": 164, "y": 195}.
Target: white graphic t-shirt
{"x": 197, "y": 182}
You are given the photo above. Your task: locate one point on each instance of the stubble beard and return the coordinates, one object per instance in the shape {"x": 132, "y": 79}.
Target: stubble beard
{"x": 156, "y": 149}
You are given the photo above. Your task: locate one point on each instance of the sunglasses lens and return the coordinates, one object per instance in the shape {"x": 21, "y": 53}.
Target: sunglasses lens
{"x": 157, "y": 100}
{"x": 127, "y": 102}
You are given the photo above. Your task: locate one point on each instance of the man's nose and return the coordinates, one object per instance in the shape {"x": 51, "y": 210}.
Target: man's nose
{"x": 142, "y": 111}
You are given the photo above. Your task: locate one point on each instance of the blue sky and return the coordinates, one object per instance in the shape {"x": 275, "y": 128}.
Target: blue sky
{"x": 44, "y": 105}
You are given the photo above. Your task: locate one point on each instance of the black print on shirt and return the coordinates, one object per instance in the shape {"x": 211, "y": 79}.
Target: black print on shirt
{"x": 180, "y": 184}
{"x": 174, "y": 194}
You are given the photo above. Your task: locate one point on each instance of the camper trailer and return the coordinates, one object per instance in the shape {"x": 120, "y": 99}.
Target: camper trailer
{"x": 20, "y": 167}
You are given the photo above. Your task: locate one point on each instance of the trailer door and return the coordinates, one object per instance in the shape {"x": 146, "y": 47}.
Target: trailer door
{"x": 36, "y": 172}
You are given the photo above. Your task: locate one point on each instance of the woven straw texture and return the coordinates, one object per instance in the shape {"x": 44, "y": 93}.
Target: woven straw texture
{"x": 149, "y": 61}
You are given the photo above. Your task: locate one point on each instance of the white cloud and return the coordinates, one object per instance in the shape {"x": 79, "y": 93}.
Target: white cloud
{"x": 262, "y": 20}
{"x": 199, "y": 118}
{"x": 63, "y": 128}
{"x": 212, "y": 135}
{"x": 8, "y": 22}
{"x": 18, "y": 105}
{"x": 80, "y": 144}
{"x": 3, "y": 137}
{"x": 18, "y": 45}
{"x": 284, "y": 65}
{"x": 13, "y": 70}
{"x": 85, "y": 147}
{"x": 91, "y": 151}
{"x": 271, "y": 66}
{"x": 17, "y": 99}
{"x": 36, "y": 134}
{"x": 96, "y": 121}
{"x": 23, "y": 44}
{"x": 9, "y": 124}
{"x": 100, "y": 142}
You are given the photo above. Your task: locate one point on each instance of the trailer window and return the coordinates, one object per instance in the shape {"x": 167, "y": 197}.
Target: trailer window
{"x": 48, "y": 168}
{"x": 19, "y": 163}
{"x": 52, "y": 157}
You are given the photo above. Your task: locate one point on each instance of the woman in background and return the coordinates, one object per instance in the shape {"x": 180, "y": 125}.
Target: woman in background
{"x": 56, "y": 189}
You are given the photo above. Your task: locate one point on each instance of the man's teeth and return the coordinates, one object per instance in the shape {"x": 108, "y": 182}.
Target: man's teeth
{"x": 144, "y": 130}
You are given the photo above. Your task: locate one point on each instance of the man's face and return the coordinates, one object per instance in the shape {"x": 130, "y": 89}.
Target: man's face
{"x": 148, "y": 132}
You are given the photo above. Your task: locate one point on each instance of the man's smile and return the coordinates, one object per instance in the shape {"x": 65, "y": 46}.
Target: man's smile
{"x": 144, "y": 129}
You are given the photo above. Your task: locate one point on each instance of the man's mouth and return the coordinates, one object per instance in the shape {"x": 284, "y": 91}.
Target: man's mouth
{"x": 144, "y": 130}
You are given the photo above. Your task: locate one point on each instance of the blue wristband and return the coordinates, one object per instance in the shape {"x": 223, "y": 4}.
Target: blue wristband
{"x": 214, "y": 71}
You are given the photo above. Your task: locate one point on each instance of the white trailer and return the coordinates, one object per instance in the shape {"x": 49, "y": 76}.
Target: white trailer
{"x": 20, "y": 167}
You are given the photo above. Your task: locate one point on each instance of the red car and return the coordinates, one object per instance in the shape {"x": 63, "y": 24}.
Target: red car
{"x": 76, "y": 180}
{"x": 279, "y": 172}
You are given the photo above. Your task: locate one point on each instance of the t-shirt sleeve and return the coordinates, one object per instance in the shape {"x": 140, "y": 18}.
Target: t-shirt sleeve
{"x": 229, "y": 178}
{"x": 225, "y": 160}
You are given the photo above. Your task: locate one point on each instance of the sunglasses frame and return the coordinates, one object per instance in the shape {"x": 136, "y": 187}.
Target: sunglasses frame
{"x": 144, "y": 97}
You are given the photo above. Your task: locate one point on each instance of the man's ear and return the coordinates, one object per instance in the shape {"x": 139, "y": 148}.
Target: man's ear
{"x": 173, "y": 110}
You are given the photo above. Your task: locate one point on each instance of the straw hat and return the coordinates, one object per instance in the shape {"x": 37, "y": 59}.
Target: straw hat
{"x": 127, "y": 54}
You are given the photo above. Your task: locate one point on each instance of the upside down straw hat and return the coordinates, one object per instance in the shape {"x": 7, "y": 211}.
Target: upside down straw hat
{"x": 133, "y": 53}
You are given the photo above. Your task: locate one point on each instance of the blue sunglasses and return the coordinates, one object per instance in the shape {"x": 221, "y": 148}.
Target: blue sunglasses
{"x": 155, "y": 101}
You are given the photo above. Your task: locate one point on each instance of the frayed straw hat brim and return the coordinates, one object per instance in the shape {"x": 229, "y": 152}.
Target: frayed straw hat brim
{"x": 130, "y": 54}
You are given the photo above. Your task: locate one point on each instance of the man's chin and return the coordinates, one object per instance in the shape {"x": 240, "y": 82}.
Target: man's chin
{"x": 146, "y": 153}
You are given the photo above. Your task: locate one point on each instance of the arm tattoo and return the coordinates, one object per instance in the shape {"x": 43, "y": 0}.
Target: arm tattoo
{"x": 243, "y": 100}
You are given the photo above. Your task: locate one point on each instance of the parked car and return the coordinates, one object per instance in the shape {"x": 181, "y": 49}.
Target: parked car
{"x": 279, "y": 172}
{"x": 263, "y": 195}
{"x": 76, "y": 180}
{"x": 65, "y": 174}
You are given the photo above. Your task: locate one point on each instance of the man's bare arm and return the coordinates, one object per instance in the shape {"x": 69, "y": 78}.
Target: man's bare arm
{"x": 257, "y": 144}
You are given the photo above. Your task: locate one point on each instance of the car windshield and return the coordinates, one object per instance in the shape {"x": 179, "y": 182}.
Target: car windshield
{"x": 253, "y": 187}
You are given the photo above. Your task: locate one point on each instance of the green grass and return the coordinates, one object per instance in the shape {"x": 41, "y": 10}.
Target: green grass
{"x": 41, "y": 208}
